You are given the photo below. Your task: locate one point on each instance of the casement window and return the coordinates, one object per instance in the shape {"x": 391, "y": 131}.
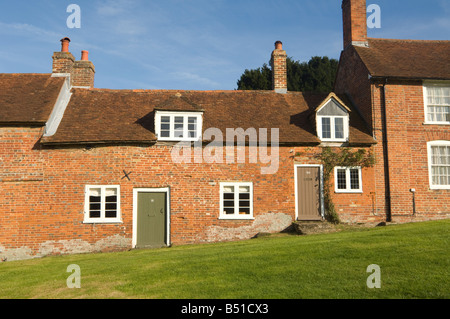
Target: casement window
{"x": 439, "y": 164}
{"x": 102, "y": 204}
{"x": 332, "y": 122}
{"x": 236, "y": 201}
{"x": 332, "y": 128}
{"x": 437, "y": 103}
{"x": 348, "y": 180}
{"x": 178, "y": 126}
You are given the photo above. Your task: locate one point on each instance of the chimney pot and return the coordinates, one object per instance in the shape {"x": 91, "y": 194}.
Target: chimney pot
{"x": 65, "y": 45}
{"x": 84, "y": 55}
{"x": 279, "y": 45}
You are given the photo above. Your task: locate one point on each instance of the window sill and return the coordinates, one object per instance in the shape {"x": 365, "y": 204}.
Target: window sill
{"x": 178, "y": 140}
{"x": 349, "y": 192}
{"x": 437, "y": 188}
{"x": 236, "y": 218}
{"x": 102, "y": 221}
{"x": 436, "y": 123}
{"x": 334, "y": 143}
{"x": 330, "y": 140}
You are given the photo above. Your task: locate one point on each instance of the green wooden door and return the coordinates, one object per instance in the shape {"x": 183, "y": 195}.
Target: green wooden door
{"x": 151, "y": 220}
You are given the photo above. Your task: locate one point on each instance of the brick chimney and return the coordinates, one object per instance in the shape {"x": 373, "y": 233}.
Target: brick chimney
{"x": 63, "y": 61}
{"x": 279, "y": 68}
{"x": 83, "y": 72}
{"x": 354, "y": 13}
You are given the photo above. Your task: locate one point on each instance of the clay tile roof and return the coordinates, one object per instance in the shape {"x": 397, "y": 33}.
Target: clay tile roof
{"x": 416, "y": 59}
{"x": 28, "y": 98}
{"x": 119, "y": 116}
{"x": 178, "y": 102}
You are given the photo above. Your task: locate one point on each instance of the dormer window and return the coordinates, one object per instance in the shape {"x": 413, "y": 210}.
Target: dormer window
{"x": 178, "y": 126}
{"x": 332, "y": 120}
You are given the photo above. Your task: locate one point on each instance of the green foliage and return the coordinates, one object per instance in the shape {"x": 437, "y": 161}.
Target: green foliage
{"x": 346, "y": 157}
{"x": 317, "y": 75}
{"x": 259, "y": 79}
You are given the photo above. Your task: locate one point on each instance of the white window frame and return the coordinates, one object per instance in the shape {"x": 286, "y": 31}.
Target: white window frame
{"x": 333, "y": 118}
{"x": 430, "y": 170}
{"x": 102, "y": 219}
{"x": 427, "y": 85}
{"x": 186, "y": 116}
{"x": 348, "y": 180}
{"x": 333, "y": 128}
{"x": 236, "y": 214}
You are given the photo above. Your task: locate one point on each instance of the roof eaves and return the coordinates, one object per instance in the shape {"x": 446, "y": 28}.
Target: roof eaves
{"x": 105, "y": 142}
{"x": 403, "y": 78}
{"x": 168, "y": 109}
{"x": 23, "y": 124}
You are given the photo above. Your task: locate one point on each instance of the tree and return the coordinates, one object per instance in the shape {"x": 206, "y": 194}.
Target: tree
{"x": 317, "y": 75}
{"x": 259, "y": 79}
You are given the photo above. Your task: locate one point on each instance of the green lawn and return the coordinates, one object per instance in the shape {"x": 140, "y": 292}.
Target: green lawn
{"x": 414, "y": 262}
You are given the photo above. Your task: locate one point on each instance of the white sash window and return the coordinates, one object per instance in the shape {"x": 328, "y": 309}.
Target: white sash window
{"x": 437, "y": 103}
{"x": 439, "y": 164}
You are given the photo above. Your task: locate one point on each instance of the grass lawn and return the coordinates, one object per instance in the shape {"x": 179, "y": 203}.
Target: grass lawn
{"x": 414, "y": 262}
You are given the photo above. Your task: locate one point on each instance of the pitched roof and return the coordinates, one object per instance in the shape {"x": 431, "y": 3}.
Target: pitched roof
{"x": 28, "y": 98}
{"x": 125, "y": 116}
{"x": 415, "y": 59}
{"x": 178, "y": 102}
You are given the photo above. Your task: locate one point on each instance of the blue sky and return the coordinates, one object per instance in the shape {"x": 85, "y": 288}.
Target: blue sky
{"x": 196, "y": 44}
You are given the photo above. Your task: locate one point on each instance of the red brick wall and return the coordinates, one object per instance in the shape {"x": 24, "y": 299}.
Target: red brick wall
{"x": 407, "y": 139}
{"x": 279, "y": 67}
{"x": 41, "y": 210}
{"x": 83, "y": 74}
{"x": 21, "y": 181}
{"x": 353, "y": 79}
{"x": 408, "y": 157}
{"x": 354, "y": 21}
{"x": 382, "y": 197}
{"x": 359, "y": 207}
{"x": 63, "y": 62}
{"x": 42, "y": 202}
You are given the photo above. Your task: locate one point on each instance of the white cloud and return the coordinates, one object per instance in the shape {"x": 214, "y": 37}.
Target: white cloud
{"x": 129, "y": 26}
{"x": 28, "y": 30}
{"x": 112, "y": 8}
{"x": 193, "y": 78}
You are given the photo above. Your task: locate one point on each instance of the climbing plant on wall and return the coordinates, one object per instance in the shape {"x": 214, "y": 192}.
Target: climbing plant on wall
{"x": 334, "y": 157}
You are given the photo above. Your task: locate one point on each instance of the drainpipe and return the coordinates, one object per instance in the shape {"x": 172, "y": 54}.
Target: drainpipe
{"x": 385, "y": 154}
{"x": 413, "y": 191}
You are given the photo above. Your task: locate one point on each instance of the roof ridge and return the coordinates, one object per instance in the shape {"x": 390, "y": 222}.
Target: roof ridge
{"x": 407, "y": 40}
{"x": 27, "y": 74}
{"x": 174, "y": 91}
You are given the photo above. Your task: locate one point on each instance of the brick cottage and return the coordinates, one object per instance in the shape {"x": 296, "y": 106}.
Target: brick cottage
{"x": 86, "y": 169}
